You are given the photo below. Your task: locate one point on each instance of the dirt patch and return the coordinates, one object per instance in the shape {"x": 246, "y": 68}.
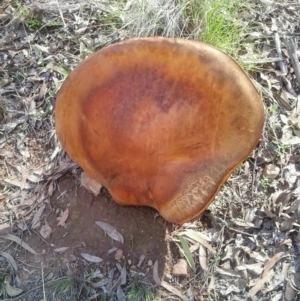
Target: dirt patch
{"x": 143, "y": 234}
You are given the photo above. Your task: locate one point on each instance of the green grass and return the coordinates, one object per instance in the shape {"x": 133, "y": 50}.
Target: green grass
{"x": 139, "y": 291}
{"x": 2, "y": 279}
{"x": 215, "y": 22}
{"x": 218, "y": 23}
{"x": 65, "y": 286}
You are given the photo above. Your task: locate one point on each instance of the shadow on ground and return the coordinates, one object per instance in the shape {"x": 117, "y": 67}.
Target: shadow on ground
{"x": 144, "y": 234}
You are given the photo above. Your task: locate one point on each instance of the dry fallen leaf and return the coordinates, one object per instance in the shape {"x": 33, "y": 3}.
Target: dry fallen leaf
{"x": 10, "y": 259}
{"x": 174, "y": 291}
{"x": 199, "y": 237}
{"x": 37, "y": 217}
{"x": 62, "y": 219}
{"x": 18, "y": 241}
{"x": 120, "y": 294}
{"x": 111, "y": 231}
{"x": 260, "y": 283}
{"x": 61, "y": 250}
{"x": 10, "y": 290}
{"x": 227, "y": 272}
{"x": 202, "y": 257}
{"x": 155, "y": 273}
{"x": 272, "y": 262}
{"x": 91, "y": 258}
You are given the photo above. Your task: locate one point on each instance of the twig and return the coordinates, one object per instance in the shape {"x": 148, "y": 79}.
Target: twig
{"x": 292, "y": 51}
{"x": 283, "y": 66}
{"x": 61, "y": 14}
{"x": 281, "y": 63}
{"x": 43, "y": 281}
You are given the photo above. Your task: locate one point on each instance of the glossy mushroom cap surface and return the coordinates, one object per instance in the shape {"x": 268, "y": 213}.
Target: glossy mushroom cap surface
{"x": 159, "y": 122}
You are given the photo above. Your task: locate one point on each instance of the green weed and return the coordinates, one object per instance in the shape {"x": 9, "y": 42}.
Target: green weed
{"x": 139, "y": 291}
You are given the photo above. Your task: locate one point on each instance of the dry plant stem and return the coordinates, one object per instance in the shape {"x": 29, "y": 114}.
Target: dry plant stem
{"x": 292, "y": 50}
{"x": 43, "y": 281}
{"x": 254, "y": 175}
{"x": 283, "y": 66}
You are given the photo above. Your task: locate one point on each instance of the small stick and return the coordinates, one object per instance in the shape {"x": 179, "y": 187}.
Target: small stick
{"x": 292, "y": 51}
{"x": 282, "y": 64}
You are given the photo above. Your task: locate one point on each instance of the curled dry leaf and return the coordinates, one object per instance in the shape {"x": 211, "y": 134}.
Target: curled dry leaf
{"x": 91, "y": 258}
{"x": 10, "y": 259}
{"x": 62, "y": 219}
{"x": 202, "y": 257}
{"x": 155, "y": 273}
{"x": 18, "y": 241}
{"x": 111, "y": 231}
{"x": 10, "y": 290}
{"x": 37, "y": 217}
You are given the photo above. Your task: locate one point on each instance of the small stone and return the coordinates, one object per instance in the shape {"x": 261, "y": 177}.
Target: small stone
{"x": 271, "y": 171}
{"x": 133, "y": 267}
{"x": 43, "y": 251}
{"x": 129, "y": 262}
{"x": 149, "y": 263}
{"x": 180, "y": 268}
{"x": 46, "y": 231}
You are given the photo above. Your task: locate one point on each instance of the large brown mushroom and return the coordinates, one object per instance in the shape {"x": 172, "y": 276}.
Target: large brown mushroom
{"x": 159, "y": 122}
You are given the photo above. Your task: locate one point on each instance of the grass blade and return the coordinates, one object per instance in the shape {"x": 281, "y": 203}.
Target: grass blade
{"x": 187, "y": 253}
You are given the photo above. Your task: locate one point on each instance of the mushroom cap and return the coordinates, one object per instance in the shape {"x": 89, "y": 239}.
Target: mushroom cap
{"x": 159, "y": 122}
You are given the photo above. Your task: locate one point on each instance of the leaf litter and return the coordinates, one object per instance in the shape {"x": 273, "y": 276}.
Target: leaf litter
{"x": 111, "y": 231}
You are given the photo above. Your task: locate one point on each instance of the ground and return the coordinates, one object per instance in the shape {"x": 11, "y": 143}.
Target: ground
{"x": 246, "y": 246}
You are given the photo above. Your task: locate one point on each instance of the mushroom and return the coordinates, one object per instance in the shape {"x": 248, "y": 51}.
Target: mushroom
{"x": 159, "y": 122}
